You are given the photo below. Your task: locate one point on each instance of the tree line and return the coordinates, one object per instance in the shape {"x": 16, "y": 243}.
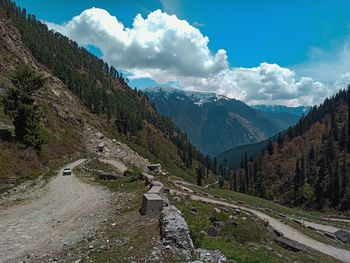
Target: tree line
{"x": 307, "y": 165}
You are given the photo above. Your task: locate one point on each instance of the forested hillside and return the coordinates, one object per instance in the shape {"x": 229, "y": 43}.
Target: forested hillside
{"x": 307, "y": 165}
{"x": 105, "y": 92}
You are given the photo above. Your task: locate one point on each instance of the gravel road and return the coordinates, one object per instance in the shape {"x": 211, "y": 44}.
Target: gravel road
{"x": 289, "y": 232}
{"x": 59, "y": 214}
{"x": 119, "y": 165}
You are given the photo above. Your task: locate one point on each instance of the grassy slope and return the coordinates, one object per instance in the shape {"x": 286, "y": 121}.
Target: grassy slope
{"x": 247, "y": 243}
{"x": 61, "y": 144}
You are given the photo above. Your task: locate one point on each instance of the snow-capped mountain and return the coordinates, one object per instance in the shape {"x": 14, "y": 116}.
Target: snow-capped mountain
{"x": 215, "y": 123}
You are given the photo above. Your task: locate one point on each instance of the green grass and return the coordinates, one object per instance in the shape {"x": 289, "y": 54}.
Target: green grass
{"x": 276, "y": 208}
{"x": 249, "y": 242}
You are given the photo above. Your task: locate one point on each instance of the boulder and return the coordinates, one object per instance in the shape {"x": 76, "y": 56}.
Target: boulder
{"x": 217, "y": 210}
{"x": 99, "y": 135}
{"x": 155, "y": 168}
{"x": 343, "y": 236}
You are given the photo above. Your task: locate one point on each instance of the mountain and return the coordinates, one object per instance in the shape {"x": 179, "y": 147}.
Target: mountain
{"x": 307, "y": 165}
{"x": 216, "y": 123}
{"x": 299, "y": 111}
{"x": 235, "y": 155}
{"x": 77, "y": 91}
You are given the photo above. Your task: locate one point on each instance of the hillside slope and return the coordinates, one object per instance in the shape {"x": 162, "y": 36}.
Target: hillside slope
{"x": 79, "y": 89}
{"x": 216, "y": 123}
{"x": 308, "y": 165}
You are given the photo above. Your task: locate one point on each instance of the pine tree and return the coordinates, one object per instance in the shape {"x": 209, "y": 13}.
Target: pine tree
{"x": 19, "y": 104}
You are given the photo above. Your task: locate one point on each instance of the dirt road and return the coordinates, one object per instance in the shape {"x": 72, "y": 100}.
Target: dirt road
{"x": 289, "y": 232}
{"x": 119, "y": 165}
{"x": 61, "y": 213}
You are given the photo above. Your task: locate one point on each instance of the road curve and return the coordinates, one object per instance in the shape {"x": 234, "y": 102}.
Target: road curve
{"x": 288, "y": 231}
{"x": 116, "y": 163}
{"x": 65, "y": 211}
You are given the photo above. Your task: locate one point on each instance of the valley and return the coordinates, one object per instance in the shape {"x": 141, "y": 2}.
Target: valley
{"x": 116, "y": 145}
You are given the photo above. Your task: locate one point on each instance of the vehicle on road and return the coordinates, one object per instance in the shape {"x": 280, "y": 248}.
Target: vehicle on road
{"x": 67, "y": 171}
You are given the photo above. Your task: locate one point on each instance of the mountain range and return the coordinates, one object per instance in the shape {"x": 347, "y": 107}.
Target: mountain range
{"x": 215, "y": 123}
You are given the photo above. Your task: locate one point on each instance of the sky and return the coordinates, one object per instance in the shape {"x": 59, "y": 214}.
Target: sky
{"x": 292, "y": 52}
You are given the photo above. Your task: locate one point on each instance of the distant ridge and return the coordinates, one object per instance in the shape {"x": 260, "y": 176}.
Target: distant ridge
{"x": 215, "y": 123}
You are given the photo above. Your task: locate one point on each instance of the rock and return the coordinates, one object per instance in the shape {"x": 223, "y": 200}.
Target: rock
{"x": 193, "y": 210}
{"x": 155, "y": 168}
{"x": 208, "y": 256}
{"x": 293, "y": 245}
{"x": 212, "y": 232}
{"x": 174, "y": 229}
{"x": 107, "y": 176}
{"x": 343, "y": 236}
{"x": 217, "y": 210}
{"x": 99, "y": 135}
{"x": 282, "y": 215}
{"x": 226, "y": 210}
{"x": 237, "y": 211}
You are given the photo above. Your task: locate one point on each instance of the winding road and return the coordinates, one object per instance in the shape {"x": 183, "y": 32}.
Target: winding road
{"x": 59, "y": 214}
{"x": 288, "y": 231}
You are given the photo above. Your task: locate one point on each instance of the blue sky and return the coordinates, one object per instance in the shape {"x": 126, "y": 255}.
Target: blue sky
{"x": 298, "y": 35}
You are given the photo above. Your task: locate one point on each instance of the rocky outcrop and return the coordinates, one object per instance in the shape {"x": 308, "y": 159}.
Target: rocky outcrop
{"x": 112, "y": 149}
{"x": 176, "y": 238}
{"x": 174, "y": 230}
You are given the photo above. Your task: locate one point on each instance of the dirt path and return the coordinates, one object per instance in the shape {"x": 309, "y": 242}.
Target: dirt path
{"x": 321, "y": 227}
{"x": 65, "y": 211}
{"x": 289, "y": 232}
{"x": 119, "y": 165}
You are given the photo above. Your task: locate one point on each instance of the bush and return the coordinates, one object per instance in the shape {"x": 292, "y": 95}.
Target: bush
{"x": 133, "y": 174}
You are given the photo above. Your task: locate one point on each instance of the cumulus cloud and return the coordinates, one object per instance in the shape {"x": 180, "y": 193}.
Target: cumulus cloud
{"x": 167, "y": 49}
{"x": 327, "y": 66}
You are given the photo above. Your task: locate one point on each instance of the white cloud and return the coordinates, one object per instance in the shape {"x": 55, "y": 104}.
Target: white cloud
{"x": 327, "y": 66}
{"x": 167, "y": 49}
